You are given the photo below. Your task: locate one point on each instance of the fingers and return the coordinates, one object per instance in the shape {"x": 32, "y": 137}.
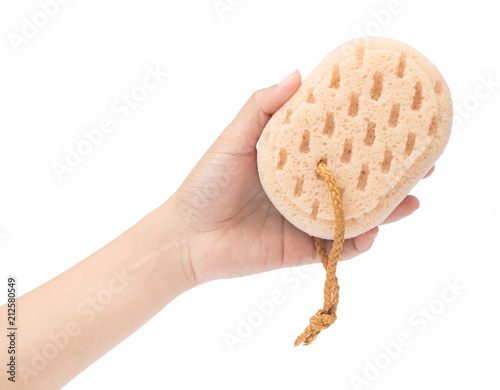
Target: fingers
{"x": 405, "y": 208}
{"x": 430, "y": 171}
{"x": 247, "y": 127}
{"x": 283, "y": 91}
{"x": 360, "y": 244}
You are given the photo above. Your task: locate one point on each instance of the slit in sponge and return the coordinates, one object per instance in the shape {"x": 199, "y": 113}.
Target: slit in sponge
{"x": 417, "y": 98}
{"x": 287, "y": 118}
{"x": 298, "y": 186}
{"x": 394, "y": 116}
{"x": 310, "y": 97}
{"x": 304, "y": 145}
{"x": 363, "y": 177}
{"x": 386, "y": 164}
{"x": 410, "y": 143}
{"x": 376, "y": 90}
{"x": 354, "y": 104}
{"x": 370, "y": 134}
{"x": 335, "y": 81}
{"x": 347, "y": 154}
{"x": 329, "y": 124}
{"x": 400, "y": 71}
{"x": 315, "y": 209}
{"x": 283, "y": 156}
{"x": 433, "y": 126}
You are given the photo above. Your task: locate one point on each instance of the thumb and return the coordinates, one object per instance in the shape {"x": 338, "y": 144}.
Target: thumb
{"x": 246, "y": 128}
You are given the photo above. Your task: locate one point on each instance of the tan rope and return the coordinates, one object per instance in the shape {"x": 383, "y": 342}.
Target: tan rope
{"x": 327, "y": 316}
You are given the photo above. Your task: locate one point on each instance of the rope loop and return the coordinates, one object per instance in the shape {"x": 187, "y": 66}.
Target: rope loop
{"x": 327, "y": 316}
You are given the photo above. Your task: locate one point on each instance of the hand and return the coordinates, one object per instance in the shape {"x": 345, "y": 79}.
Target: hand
{"x": 229, "y": 225}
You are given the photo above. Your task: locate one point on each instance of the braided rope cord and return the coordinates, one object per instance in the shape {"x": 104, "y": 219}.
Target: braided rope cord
{"x": 327, "y": 315}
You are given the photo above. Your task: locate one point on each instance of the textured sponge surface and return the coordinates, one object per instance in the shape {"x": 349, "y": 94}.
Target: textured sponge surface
{"x": 378, "y": 113}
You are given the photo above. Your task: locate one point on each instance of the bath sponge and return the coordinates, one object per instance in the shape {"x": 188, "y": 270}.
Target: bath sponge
{"x": 377, "y": 113}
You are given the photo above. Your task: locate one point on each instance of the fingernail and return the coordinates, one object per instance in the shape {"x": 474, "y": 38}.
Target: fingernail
{"x": 286, "y": 79}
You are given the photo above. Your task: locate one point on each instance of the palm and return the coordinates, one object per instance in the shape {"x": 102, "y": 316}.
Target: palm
{"x": 239, "y": 231}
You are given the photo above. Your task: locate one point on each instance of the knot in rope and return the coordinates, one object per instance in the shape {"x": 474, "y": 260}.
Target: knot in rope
{"x": 322, "y": 320}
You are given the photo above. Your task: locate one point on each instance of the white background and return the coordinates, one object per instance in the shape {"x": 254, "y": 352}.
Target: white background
{"x": 65, "y": 79}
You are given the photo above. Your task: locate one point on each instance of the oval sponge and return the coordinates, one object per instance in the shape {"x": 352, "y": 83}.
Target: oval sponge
{"x": 378, "y": 113}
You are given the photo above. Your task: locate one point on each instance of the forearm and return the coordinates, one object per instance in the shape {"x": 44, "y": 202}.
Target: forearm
{"x": 69, "y": 322}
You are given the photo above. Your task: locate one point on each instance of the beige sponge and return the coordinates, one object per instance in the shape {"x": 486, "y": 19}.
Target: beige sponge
{"x": 378, "y": 113}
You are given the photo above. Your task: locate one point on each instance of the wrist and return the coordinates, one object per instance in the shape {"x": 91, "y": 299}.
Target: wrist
{"x": 173, "y": 245}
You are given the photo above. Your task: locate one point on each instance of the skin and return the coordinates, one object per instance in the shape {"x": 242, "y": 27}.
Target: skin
{"x": 218, "y": 224}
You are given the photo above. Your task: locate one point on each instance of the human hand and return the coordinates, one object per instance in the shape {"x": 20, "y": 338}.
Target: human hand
{"x": 228, "y": 224}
